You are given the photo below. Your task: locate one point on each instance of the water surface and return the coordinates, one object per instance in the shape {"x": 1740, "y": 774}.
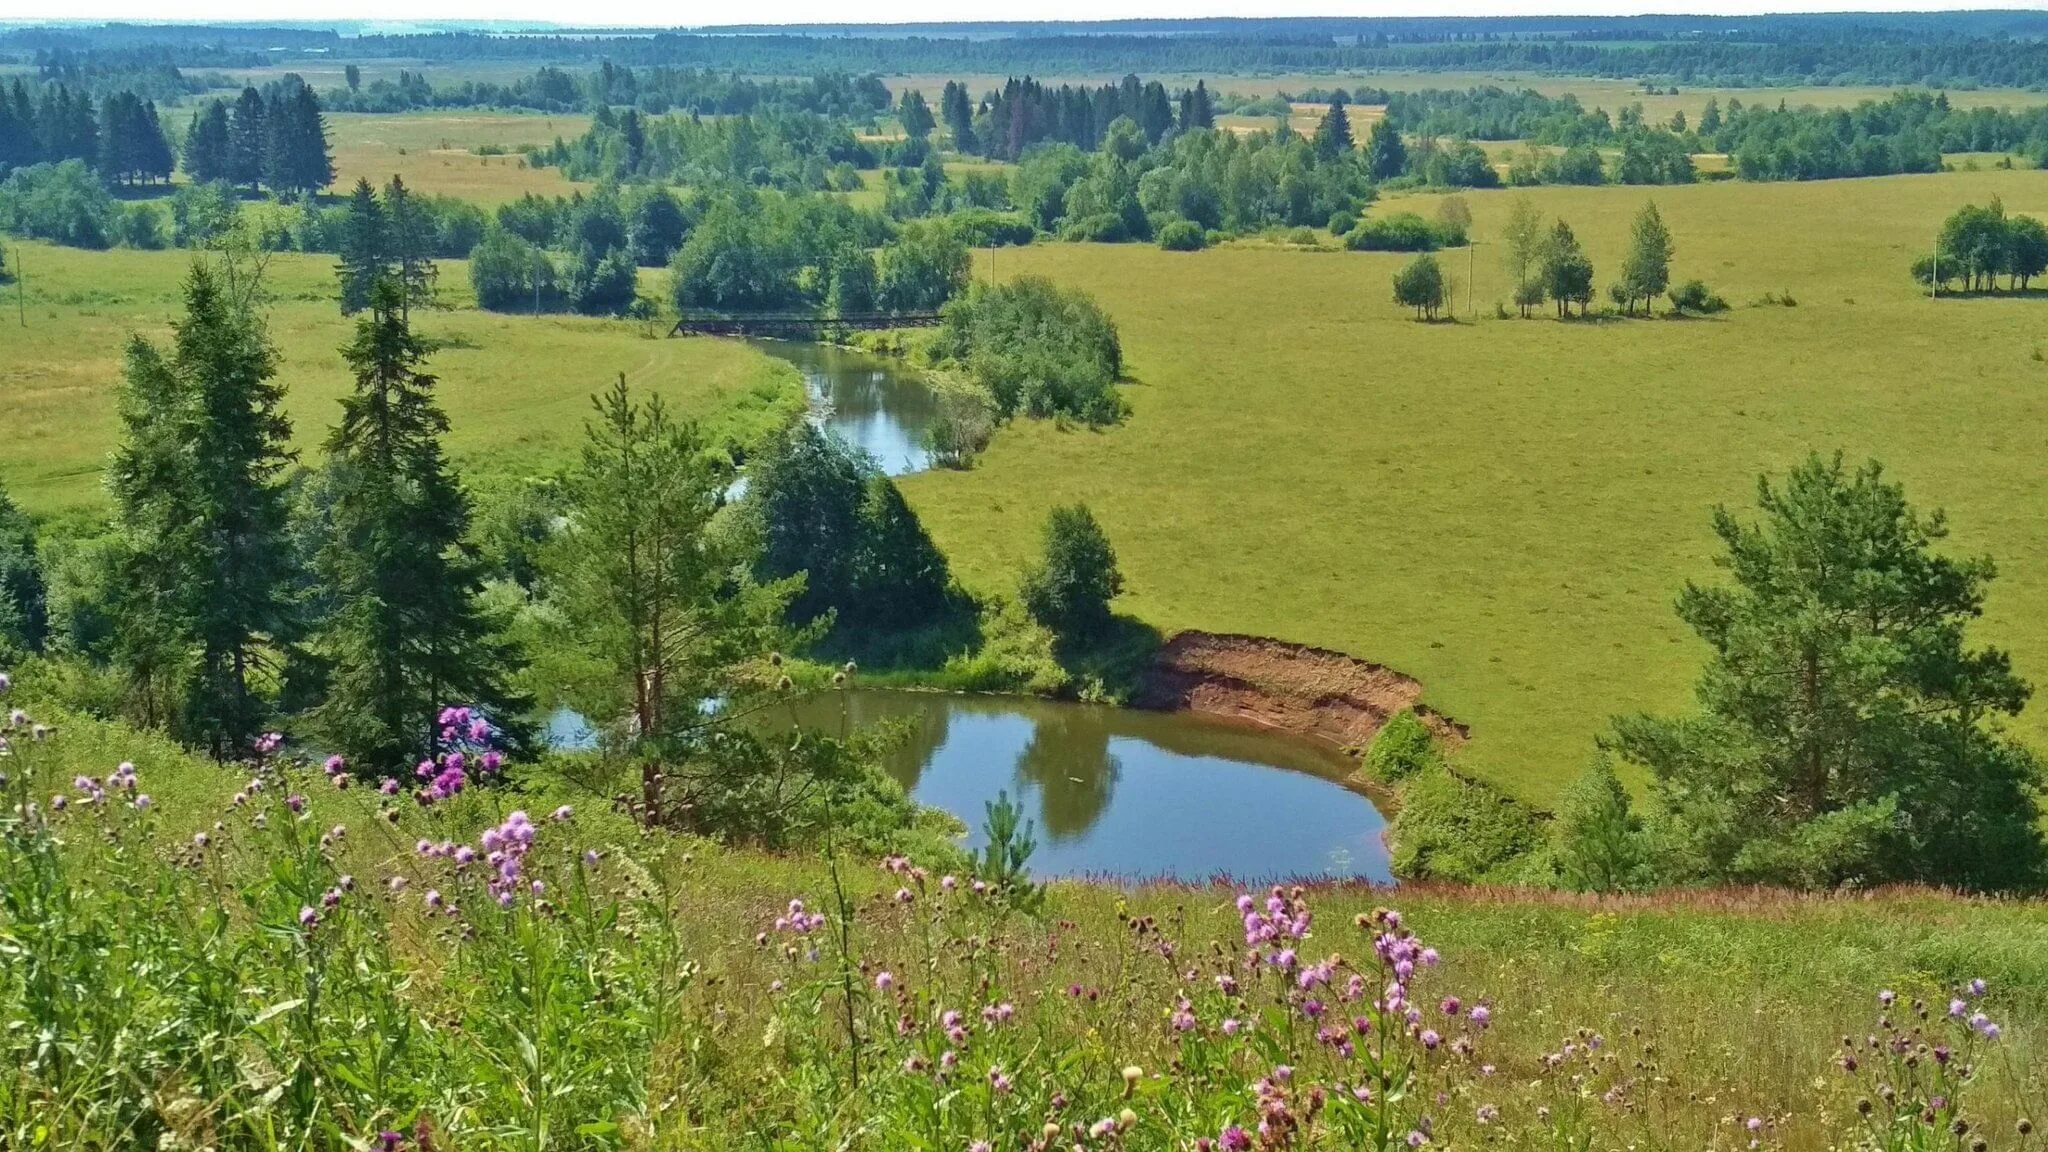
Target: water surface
{"x": 878, "y": 405}
{"x": 1124, "y": 793}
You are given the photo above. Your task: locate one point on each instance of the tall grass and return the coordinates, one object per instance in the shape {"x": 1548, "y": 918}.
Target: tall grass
{"x": 263, "y": 956}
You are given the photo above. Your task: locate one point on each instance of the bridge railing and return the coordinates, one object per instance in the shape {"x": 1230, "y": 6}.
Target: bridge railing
{"x": 762, "y": 322}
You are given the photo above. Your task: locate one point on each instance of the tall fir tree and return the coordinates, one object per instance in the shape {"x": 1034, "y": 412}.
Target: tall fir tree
{"x": 1333, "y": 133}
{"x": 248, "y": 139}
{"x": 364, "y": 249}
{"x": 156, "y": 520}
{"x": 207, "y": 144}
{"x": 406, "y": 636}
{"x": 199, "y": 485}
{"x": 1386, "y": 157}
{"x": 409, "y": 244}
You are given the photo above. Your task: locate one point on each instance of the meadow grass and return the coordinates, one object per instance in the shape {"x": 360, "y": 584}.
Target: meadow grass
{"x": 516, "y": 388}
{"x": 659, "y": 994}
{"x": 436, "y": 152}
{"x": 1506, "y": 509}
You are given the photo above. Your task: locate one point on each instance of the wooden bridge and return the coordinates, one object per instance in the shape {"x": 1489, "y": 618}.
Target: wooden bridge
{"x": 797, "y": 324}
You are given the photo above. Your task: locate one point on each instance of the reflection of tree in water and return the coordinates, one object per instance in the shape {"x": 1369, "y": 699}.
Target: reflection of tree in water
{"x": 916, "y": 735}
{"x": 1068, "y": 759}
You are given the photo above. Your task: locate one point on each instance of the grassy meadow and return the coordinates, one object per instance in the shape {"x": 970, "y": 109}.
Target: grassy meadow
{"x": 1506, "y": 509}
{"x": 516, "y": 388}
{"x": 437, "y": 152}
{"x": 660, "y": 994}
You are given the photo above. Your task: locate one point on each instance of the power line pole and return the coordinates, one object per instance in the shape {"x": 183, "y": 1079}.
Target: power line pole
{"x": 20, "y": 288}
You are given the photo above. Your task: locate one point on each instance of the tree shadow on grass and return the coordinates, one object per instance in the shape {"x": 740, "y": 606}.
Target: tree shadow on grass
{"x": 1112, "y": 664}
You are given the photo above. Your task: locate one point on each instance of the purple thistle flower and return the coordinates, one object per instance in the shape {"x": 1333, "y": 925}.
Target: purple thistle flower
{"x": 1234, "y": 1139}
{"x": 307, "y": 917}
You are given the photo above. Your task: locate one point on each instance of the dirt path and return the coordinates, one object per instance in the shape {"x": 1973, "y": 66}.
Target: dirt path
{"x": 1308, "y": 691}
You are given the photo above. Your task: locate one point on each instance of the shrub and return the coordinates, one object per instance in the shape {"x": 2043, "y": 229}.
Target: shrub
{"x": 1421, "y": 286}
{"x": 1034, "y": 346}
{"x": 142, "y": 226}
{"x": 1450, "y": 828}
{"x": 1402, "y": 232}
{"x": 1694, "y": 296}
{"x": 511, "y": 275}
{"x": 1182, "y": 236}
{"x": 1401, "y": 748}
{"x": 987, "y": 228}
{"x": 62, "y": 203}
{"x": 1342, "y": 221}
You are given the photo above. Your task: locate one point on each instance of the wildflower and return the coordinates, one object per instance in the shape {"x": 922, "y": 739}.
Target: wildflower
{"x": 1487, "y": 1114}
{"x": 1231, "y": 1026}
{"x": 1754, "y": 1124}
{"x": 1416, "y": 1139}
{"x": 295, "y": 802}
{"x": 1450, "y": 1006}
{"x": 1430, "y": 1039}
{"x": 1481, "y": 1015}
{"x": 1957, "y": 1008}
{"x": 59, "y": 802}
{"x": 999, "y": 1080}
{"x": 142, "y": 802}
{"x": 1234, "y": 1139}
{"x": 884, "y": 981}
{"x": 1887, "y": 997}
{"x": 388, "y": 1141}
{"x": 948, "y": 883}
{"x": 434, "y": 898}
{"x": 6, "y": 683}
{"x": 979, "y": 1146}
{"x": 1977, "y": 987}
{"x": 561, "y": 814}
{"x": 201, "y": 840}
{"x": 903, "y": 895}
{"x": 307, "y": 917}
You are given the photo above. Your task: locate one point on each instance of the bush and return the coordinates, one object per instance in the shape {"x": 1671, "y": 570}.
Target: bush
{"x": 1035, "y": 347}
{"x": 1694, "y": 296}
{"x": 1069, "y": 590}
{"x": 987, "y": 228}
{"x": 1342, "y": 221}
{"x": 62, "y": 203}
{"x": 1183, "y": 236}
{"x": 1460, "y": 830}
{"x": 1402, "y": 232}
{"x": 1401, "y": 748}
{"x": 1599, "y": 844}
{"x": 142, "y": 226}
{"x": 1421, "y": 286}
{"x": 511, "y": 275}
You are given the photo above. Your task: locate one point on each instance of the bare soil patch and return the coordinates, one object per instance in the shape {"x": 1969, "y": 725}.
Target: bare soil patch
{"x": 1313, "y": 692}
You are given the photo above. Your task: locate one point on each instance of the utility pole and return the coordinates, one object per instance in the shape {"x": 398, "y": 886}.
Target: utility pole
{"x": 1471, "y": 275}
{"x": 20, "y": 288}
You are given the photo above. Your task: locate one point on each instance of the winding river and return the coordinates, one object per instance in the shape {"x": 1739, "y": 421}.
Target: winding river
{"x": 1111, "y": 792}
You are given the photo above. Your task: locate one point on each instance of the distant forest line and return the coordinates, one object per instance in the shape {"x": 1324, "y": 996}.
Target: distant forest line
{"x": 1985, "y": 49}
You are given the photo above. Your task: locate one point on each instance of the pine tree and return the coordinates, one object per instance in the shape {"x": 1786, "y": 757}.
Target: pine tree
{"x": 248, "y": 139}
{"x": 957, "y": 109}
{"x": 1333, "y": 133}
{"x": 17, "y": 127}
{"x": 407, "y": 636}
{"x": 364, "y": 248}
{"x": 24, "y": 617}
{"x": 207, "y": 145}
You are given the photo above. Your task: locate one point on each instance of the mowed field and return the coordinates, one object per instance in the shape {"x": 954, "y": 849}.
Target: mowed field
{"x": 436, "y": 152}
{"x": 516, "y": 388}
{"x": 1506, "y": 508}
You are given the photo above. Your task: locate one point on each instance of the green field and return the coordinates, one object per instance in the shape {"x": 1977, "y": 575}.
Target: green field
{"x": 437, "y": 152}
{"x": 516, "y": 387}
{"x": 1506, "y": 509}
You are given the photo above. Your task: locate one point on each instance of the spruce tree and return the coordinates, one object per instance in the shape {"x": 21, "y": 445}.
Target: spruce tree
{"x": 409, "y": 243}
{"x": 364, "y": 249}
{"x": 1385, "y": 156}
{"x": 199, "y": 485}
{"x": 406, "y": 636}
{"x": 1333, "y": 134}
{"x": 207, "y": 144}
{"x": 248, "y": 139}
{"x": 156, "y": 521}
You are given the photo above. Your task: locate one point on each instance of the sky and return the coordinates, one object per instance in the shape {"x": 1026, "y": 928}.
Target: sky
{"x": 668, "y": 13}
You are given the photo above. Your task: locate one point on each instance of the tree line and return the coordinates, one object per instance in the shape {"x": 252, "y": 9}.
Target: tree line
{"x": 1978, "y": 244}
{"x": 652, "y": 90}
